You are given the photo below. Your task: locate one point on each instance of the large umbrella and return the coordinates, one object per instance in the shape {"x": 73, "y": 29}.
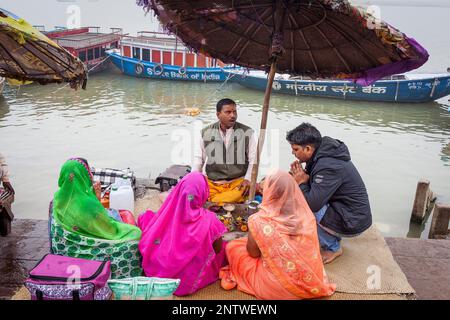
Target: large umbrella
{"x": 316, "y": 38}
{"x": 27, "y": 55}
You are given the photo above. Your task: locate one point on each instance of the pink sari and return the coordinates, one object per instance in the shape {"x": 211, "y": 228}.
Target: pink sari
{"x": 177, "y": 242}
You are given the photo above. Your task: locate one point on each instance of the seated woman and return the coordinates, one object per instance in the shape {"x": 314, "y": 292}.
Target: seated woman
{"x": 184, "y": 240}
{"x": 80, "y": 226}
{"x": 280, "y": 259}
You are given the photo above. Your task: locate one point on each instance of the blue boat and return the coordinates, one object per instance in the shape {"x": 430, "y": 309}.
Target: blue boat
{"x": 401, "y": 88}
{"x": 157, "y": 56}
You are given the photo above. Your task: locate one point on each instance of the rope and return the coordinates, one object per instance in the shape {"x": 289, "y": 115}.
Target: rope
{"x": 68, "y": 84}
{"x": 98, "y": 64}
{"x": 211, "y": 96}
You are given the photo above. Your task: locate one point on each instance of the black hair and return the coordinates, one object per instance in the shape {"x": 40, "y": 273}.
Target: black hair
{"x": 305, "y": 134}
{"x": 224, "y": 102}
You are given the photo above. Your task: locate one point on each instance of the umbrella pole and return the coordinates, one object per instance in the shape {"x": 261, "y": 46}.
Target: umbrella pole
{"x": 262, "y": 133}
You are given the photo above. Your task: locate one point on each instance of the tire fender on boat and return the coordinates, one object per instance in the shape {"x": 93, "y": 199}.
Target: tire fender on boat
{"x": 139, "y": 69}
{"x": 158, "y": 69}
{"x": 182, "y": 71}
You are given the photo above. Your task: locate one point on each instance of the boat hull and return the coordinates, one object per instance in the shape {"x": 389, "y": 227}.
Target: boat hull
{"x": 144, "y": 69}
{"x": 405, "y": 91}
{"x": 98, "y": 67}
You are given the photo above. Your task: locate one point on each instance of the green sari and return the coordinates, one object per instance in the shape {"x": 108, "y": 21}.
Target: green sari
{"x": 82, "y": 228}
{"x": 77, "y": 209}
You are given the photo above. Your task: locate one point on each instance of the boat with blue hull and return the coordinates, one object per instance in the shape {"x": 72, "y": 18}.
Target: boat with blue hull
{"x": 158, "y": 56}
{"x": 145, "y": 69}
{"x": 406, "y": 88}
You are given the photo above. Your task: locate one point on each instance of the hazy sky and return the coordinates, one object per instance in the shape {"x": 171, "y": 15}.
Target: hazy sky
{"x": 126, "y": 14}
{"x": 410, "y": 3}
{"x": 103, "y": 13}
{"x": 426, "y": 21}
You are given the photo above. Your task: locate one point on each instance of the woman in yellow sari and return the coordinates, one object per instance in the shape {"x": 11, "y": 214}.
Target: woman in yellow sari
{"x": 280, "y": 259}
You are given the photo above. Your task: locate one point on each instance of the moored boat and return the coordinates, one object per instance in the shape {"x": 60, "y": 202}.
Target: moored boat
{"x": 88, "y": 44}
{"x": 155, "y": 55}
{"x": 411, "y": 88}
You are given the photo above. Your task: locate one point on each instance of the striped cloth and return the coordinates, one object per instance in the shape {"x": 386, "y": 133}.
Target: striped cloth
{"x": 108, "y": 177}
{"x": 6, "y": 196}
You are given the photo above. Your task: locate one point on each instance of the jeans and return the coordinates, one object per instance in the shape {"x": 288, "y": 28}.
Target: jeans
{"x": 328, "y": 241}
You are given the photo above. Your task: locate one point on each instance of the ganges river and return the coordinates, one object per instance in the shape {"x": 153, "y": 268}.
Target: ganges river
{"x": 121, "y": 122}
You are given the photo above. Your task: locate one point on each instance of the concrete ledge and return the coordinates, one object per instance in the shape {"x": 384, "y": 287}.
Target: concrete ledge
{"x": 426, "y": 263}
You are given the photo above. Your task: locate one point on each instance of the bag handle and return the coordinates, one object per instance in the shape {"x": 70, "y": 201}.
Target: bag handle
{"x": 134, "y": 286}
{"x": 39, "y": 295}
{"x": 150, "y": 290}
{"x": 76, "y": 295}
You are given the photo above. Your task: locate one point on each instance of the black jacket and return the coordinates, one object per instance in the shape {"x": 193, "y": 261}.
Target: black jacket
{"x": 334, "y": 180}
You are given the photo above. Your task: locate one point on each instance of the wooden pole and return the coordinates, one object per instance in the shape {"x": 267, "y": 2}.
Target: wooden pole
{"x": 422, "y": 201}
{"x": 439, "y": 224}
{"x": 276, "y": 52}
{"x": 262, "y": 133}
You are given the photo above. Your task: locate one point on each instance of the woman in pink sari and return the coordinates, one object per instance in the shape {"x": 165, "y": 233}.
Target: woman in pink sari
{"x": 184, "y": 240}
{"x": 280, "y": 259}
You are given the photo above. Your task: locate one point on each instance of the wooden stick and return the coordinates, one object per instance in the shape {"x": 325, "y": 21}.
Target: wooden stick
{"x": 262, "y": 133}
{"x": 421, "y": 201}
{"x": 439, "y": 224}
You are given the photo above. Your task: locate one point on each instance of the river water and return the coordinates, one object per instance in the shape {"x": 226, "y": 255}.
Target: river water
{"x": 122, "y": 122}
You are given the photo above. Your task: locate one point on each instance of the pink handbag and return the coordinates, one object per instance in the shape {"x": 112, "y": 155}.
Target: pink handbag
{"x": 65, "y": 278}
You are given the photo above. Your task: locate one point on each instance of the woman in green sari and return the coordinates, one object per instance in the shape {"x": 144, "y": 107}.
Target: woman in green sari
{"x": 82, "y": 228}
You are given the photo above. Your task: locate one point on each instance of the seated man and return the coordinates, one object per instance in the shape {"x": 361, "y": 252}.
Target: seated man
{"x": 6, "y": 198}
{"x": 228, "y": 149}
{"x": 332, "y": 187}
{"x": 4, "y": 177}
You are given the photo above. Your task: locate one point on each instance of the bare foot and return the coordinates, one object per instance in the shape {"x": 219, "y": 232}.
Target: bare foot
{"x": 329, "y": 256}
{"x": 227, "y": 280}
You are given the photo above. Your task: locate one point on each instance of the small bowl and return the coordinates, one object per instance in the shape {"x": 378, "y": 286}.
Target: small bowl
{"x": 229, "y": 207}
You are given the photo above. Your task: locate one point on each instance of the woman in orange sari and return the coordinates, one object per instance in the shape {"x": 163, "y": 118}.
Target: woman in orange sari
{"x": 280, "y": 259}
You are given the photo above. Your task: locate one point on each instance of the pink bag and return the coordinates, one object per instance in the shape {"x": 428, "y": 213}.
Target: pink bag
{"x": 64, "y": 278}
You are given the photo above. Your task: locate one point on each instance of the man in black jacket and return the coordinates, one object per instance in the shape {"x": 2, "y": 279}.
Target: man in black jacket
{"x": 332, "y": 187}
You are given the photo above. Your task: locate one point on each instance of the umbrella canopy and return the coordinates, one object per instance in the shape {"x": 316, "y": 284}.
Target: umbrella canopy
{"x": 316, "y": 38}
{"x": 28, "y": 55}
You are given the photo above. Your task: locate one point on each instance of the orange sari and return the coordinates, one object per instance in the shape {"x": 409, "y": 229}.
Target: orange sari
{"x": 285, "y": 229}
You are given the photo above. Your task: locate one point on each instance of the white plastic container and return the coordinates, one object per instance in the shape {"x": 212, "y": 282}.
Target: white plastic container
{"x": 125, "y": 180}
{"x": 122, "y": 198}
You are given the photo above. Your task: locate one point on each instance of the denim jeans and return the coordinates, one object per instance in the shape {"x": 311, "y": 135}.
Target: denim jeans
{"x": 328, "y": 241}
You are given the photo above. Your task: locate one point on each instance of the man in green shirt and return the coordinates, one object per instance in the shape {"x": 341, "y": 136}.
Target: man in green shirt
{"x": 226, "y": 154}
